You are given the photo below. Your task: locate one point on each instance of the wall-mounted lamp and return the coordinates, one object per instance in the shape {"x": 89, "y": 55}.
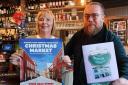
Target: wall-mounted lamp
{"x": 82, "y": 2}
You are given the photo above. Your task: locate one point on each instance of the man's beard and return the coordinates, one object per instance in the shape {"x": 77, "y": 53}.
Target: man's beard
{"x": 94, "y": 30}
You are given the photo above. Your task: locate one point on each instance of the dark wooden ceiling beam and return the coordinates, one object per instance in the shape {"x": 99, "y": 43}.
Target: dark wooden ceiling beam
{"x": 113, "y": 3}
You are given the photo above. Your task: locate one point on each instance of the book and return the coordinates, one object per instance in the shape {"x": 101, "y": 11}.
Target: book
{"x": 100, "y": 62}
{"x": 41, "y": 61}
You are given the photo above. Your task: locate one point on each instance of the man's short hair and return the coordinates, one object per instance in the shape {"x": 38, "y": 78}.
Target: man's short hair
{"x": 97, "y": 3}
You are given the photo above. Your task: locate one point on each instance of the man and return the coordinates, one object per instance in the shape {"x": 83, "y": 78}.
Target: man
{"x": 95, "y": 31}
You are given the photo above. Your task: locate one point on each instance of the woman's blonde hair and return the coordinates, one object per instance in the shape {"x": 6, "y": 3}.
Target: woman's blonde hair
{"x": 42, "y": 12}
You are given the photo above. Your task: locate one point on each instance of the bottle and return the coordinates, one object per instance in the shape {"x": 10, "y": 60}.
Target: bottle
{"x": 8, "y": 23}
{"x": 13, "y": 9}
{"x": 37, "y": 4}
{"x": 29, "y": 17}
{"x": 29, "y": 5}
{"x": 4, "y": 11}
{"x": 32, "y": 6}
{"x": 1, "y": 23}
{"x": 50, "y": 4}
{"x": 60, "y": 3}
{"x": 63, "y": 3}
{"x": 32, "y": 18}
{"x": 56, "y": 4}
{"x": 53, "y": 4}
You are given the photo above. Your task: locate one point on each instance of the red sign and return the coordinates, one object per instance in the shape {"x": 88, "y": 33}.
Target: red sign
{"x": 17, "y": 17}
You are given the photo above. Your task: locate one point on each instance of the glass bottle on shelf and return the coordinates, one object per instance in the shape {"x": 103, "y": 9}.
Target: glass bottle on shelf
{"x": 32, "y": 18}
{"x": 53, "y": 4}
{"x": 1, "y": 23}
{"x": 50, "y": 4}
{"x": 59, "y": 3}
{"x": 63, "y": 3}
{"x": 28, "y": 5}
{"x": 13, "y": 9}
{"x": 29, "y": 17}
{"x": 32, "y": 6}
{"x": 2, "y": 12}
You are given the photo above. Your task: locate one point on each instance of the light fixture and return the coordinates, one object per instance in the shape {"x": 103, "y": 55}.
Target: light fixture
{"x": 82, "y": 2}
{"x": 71, "y": 3}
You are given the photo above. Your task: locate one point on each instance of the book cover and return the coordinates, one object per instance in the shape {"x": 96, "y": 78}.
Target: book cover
{"x": 100, "y": 62}
{"x": 41, "y": 61}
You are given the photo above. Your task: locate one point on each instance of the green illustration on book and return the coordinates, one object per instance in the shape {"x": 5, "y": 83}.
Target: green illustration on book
{"x": 99, "y": 58}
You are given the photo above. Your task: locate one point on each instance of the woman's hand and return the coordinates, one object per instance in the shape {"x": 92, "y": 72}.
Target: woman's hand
{"x": 15, "y": 60}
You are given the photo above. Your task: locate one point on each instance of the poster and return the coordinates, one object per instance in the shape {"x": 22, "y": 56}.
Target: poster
{"x": 42, "y": 61}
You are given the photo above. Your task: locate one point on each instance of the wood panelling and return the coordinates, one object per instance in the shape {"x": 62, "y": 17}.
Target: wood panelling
{"x": 118, "y": 11}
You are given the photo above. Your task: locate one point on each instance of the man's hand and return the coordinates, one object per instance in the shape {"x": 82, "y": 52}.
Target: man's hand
{"x": 120, "y": 81}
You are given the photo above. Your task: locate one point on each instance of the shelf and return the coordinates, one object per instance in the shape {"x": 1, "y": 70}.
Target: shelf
{"x": 61, "y": 8}
{"x": 1, "y": 28}
{"x": 120, "y": 30}
{"x": 32, "y": 22}
{"x": 9, "y": 40}
{"x": 64, "y": 21}
{"x": 68, "y": 7}
{"x": 6, "y": 15}
{"x": 68, "y": 28}
{"x": 33, "y": 11}
{"x": 72, "y": 21}
{"x": 36, "y": 11}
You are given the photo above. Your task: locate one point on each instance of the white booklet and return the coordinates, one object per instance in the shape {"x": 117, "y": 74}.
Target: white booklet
{"x": 100, "y": 62}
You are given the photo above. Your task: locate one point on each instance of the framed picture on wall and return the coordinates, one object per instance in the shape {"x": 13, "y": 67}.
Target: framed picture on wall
{"x": 115, "y": 26}
{"x": 119, "y": 27}
{"x": 118, "y": 24}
